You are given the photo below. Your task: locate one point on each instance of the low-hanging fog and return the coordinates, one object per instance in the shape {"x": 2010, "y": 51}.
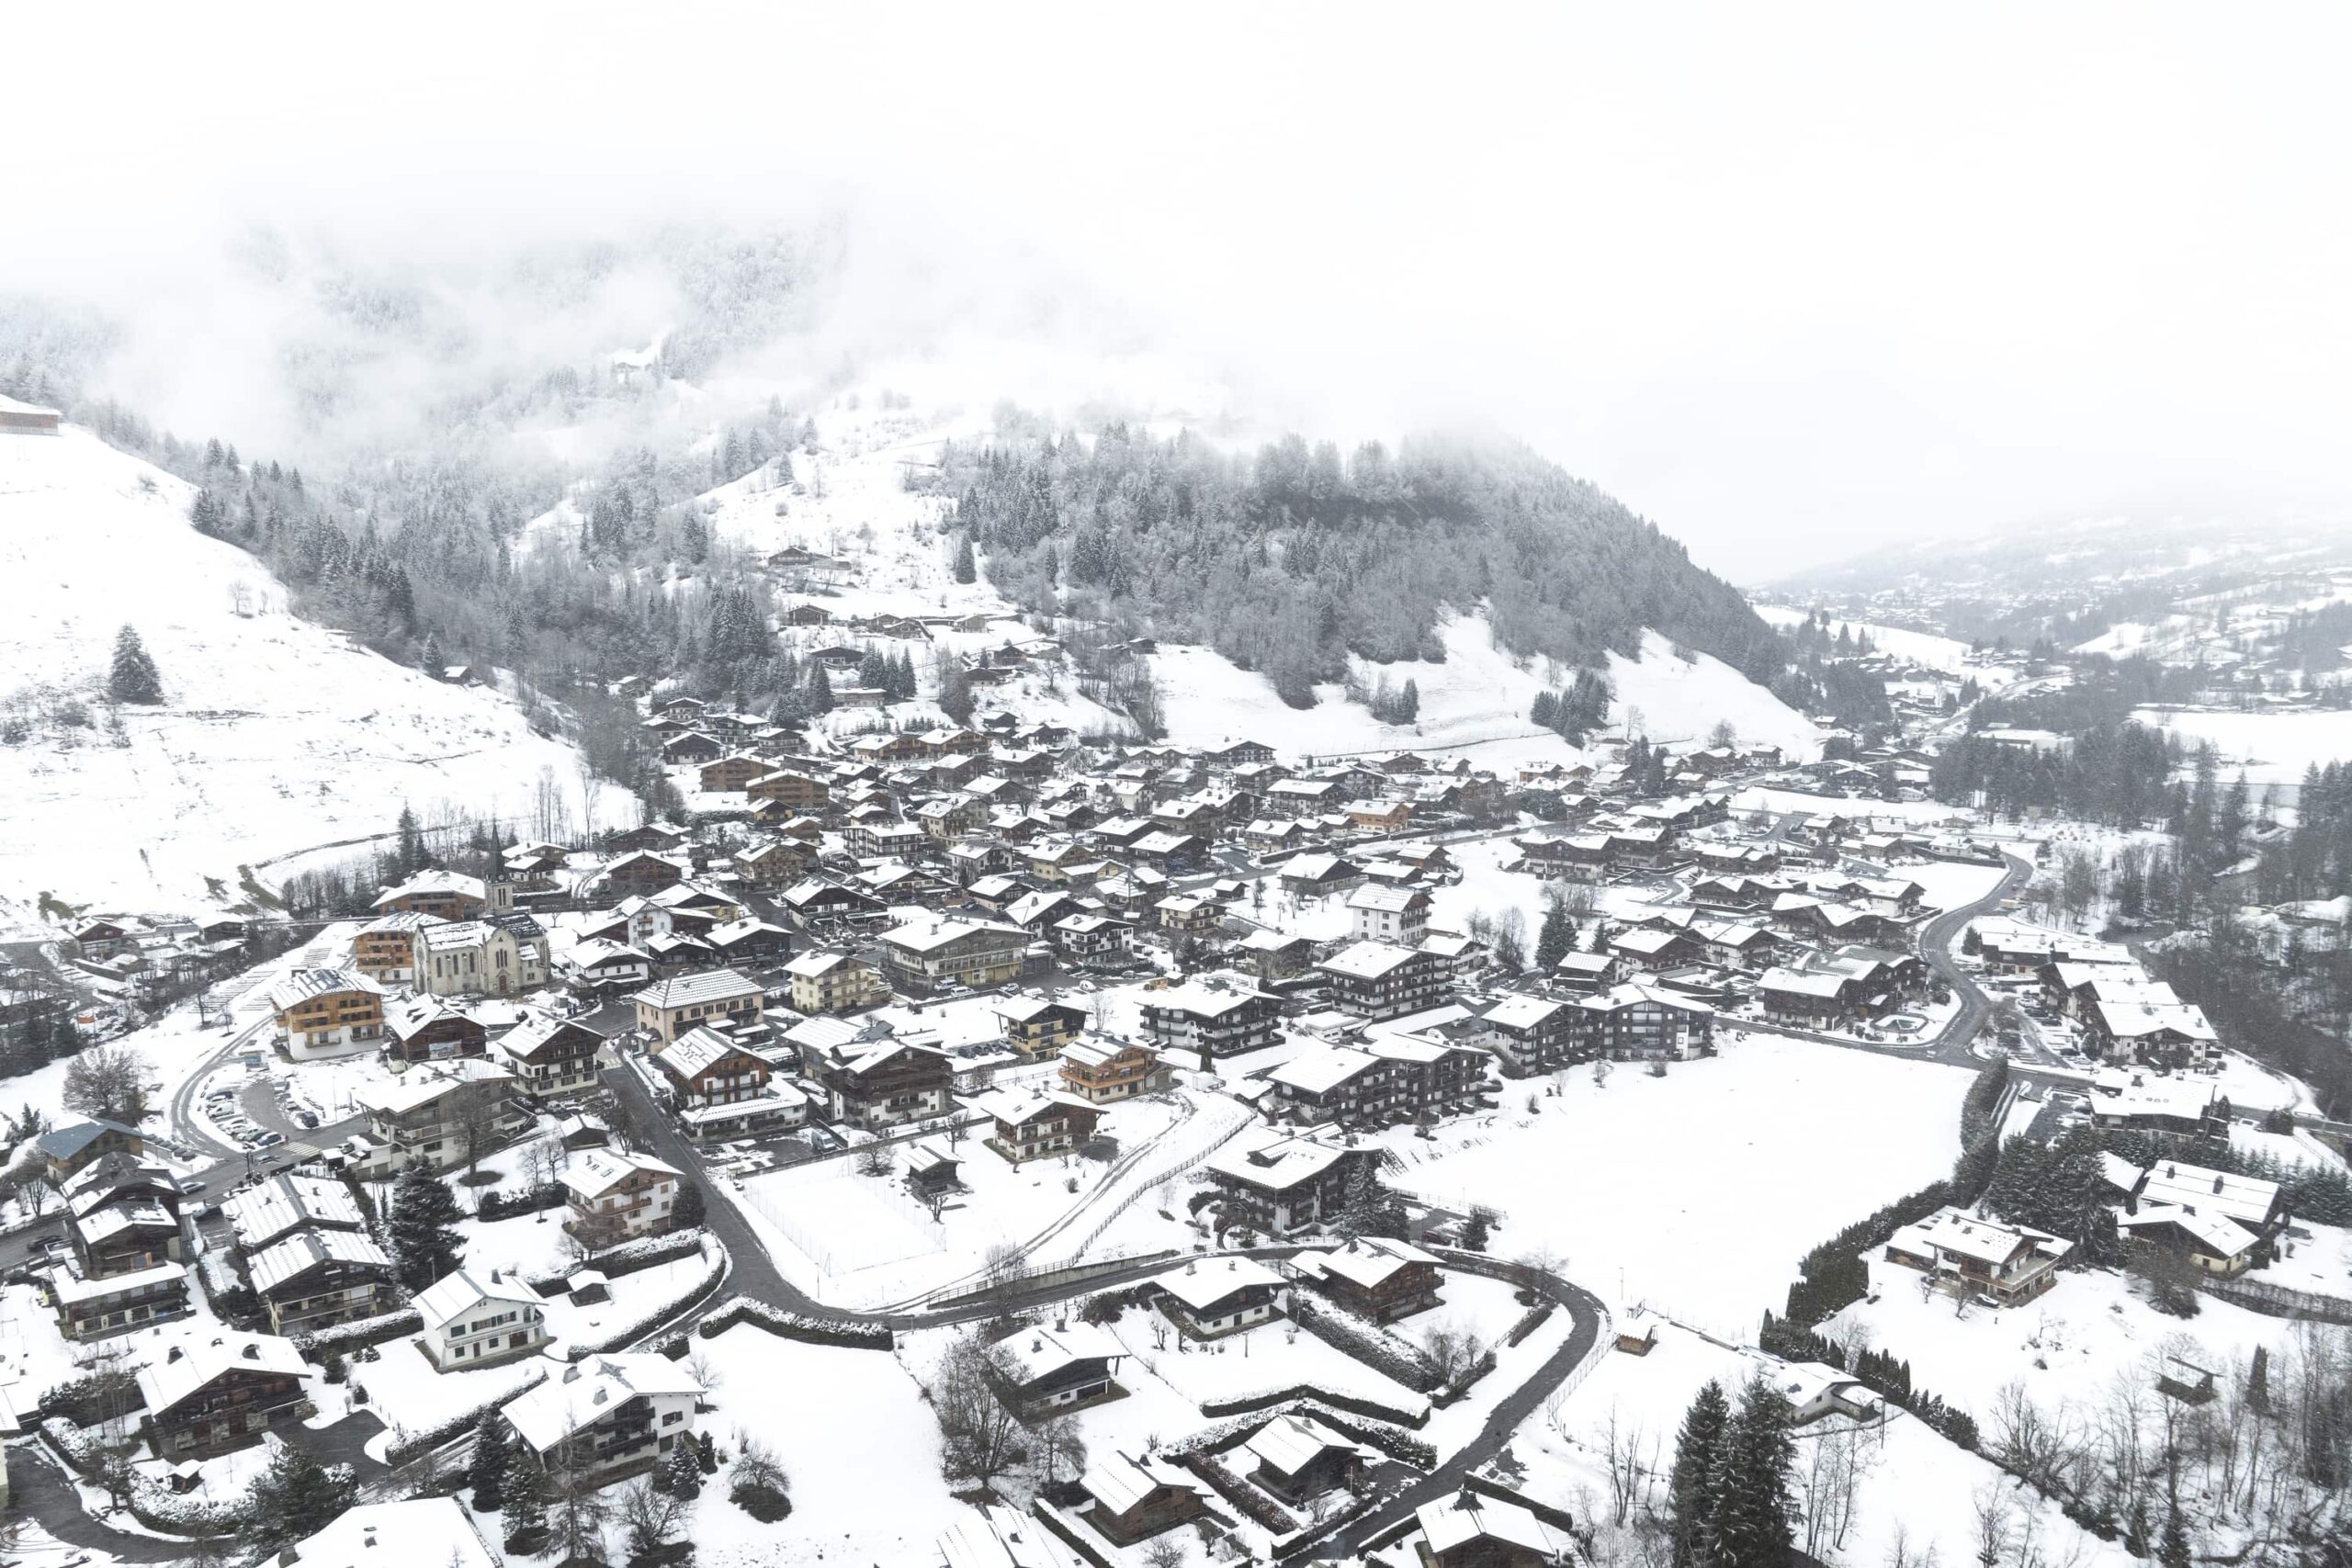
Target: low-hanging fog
{"x": 1790, "y": 283}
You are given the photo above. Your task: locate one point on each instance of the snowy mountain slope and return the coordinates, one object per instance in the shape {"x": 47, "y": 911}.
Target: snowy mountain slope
{"x": 278, "y": 735}
{"x": 848, "y": 500}
{"x": 1477, "y": 700}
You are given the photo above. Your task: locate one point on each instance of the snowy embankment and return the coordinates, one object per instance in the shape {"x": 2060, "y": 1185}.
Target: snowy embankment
{"x": 277, "y": 734}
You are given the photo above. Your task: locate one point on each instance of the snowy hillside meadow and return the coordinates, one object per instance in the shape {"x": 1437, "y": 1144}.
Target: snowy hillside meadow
{"x": 275, "y": 736}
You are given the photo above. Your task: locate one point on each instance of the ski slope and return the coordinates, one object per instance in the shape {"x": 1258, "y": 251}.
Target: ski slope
{"x": 277, "y": 735}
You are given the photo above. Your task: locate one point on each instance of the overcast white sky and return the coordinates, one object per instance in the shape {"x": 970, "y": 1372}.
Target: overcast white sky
{"x": 1789, "y": 279}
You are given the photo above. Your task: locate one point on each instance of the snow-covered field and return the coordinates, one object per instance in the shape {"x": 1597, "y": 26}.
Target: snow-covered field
{"x": 278, "y": 734}
{"x": 2271, "y": 748}
{"x": 1914, "y": 1485}
{"x": 854, "y": 1435}
{"x": 1697, "y": 1193}
{"x": 2069, "y": 1346}
{"x": 861, "y": 1240}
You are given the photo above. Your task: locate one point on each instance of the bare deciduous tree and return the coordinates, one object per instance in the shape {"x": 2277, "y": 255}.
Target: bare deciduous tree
{"x": 980, "y": 1438}
{"x": 108, "y": 1083}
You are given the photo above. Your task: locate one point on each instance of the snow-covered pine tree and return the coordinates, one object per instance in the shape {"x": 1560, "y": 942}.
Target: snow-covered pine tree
{"x": 133, "y": 677}
{"x": 1556, "y": 937}
{"x": 422, "y": 1227}
{"x": 1691, "y": 1485}
{"x": 524, "y": 1492}
{"x": 1750, "y": 1521}
{"x": 486, "y": 1471}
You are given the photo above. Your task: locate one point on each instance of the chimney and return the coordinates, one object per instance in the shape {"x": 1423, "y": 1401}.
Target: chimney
{"x": 172, "y": 1356}
{"x": 253, "y": 1350}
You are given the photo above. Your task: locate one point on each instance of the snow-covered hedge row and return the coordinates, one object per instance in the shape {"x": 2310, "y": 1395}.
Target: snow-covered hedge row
{"x": 151, "y": 1502}
{"x": 342, "y": 1338}
{"x": 626, "y": 1257}
{"x": 73, "y": 1445}
{"x": 1529, "y": 1320}
{"x": 796, "y": 1326}
{"x": 1451, "y": 1392}
{"x": 714, "y": 1266}
{"x": 1263, "y": 1510}
{"x": 423, "y": 1442}
{"x": 159, "y": 1508}
{"x": 1331, "y": 1524}
{"x": 1059, "y": 1523}
{"x": 1373, "y": 1346}
{"x": 1266, "y": 1399}
{"x": 1394, "y": 1441}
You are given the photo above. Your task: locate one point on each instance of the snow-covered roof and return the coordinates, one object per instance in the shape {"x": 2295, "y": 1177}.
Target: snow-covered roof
{"x": 1204, "y": 999}
{"x": 1038, "y": 1353}
{"x": 435, "y": 881}
{"x": 289, "y": 1200}
{"x": 930, "y": 935}
{"x": 1367, "y": 960}
{"x": 439, "y": 1531}
{"x": 1366, "y": 1261}
{"x": 304, "y": 1250}
{"x": 690, "y": 990}
{"x": 164, "y": 1384}
{"x": 697, "y": 1051}
{"x": 462, "y": 1289}
{"x": 299, "y": 985}
{"x": 421, "y": 1085}
{"x": 594, "y": 1172}
{"x": 2117, "y": 1091}
{"x": 2244, "y": 1198}
{"x": 70, "y": 1287}
{"x": 586, "y": 1391}
{"x": 1453, "y": 1522}
{"x": 999, "y": 1537}
{"x": 1273, "y": 1161}
{"x": 1122, "y": 1481}
{"x": 1387, "y": 898}
{"x": 1522, "y": 1011}
{"x": 1204, "y": 1284}
{"x": 1288, "y": 1444}
{"x": 1322, "y": 1068}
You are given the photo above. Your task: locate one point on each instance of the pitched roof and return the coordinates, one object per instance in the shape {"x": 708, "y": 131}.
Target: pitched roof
{"x": 305, "y": 1250}
{"x": 594, "y": 1172}
{"x": 462, "y": 1289}
{"x": 165, "y": 1384}
{"x": 691, "y": 990}
{"x": 583, "y": 1393}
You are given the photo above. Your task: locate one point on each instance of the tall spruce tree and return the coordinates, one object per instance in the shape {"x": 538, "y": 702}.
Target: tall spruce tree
{"x": 1750, "y": 1516}
{"x": 424, "y": 1227}
{"x": 134, "y": 678}
{"x": 524, "y": 1491}
{"x": 1691, "y": 1488}
{"x": 967, "y": 569}
{"x": 1556, "y": 937}
{"x": 486, "y": 1472}
{"x": 294, "y": 1497}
